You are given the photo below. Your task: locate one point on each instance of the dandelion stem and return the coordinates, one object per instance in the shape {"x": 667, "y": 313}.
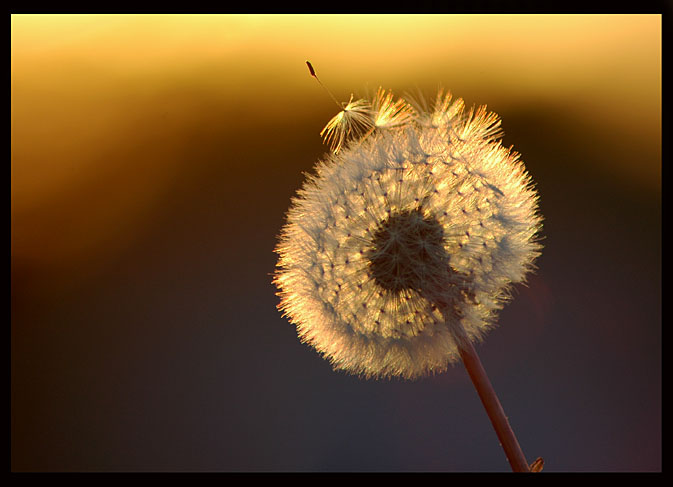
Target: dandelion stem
{"x": 494, "y": 409}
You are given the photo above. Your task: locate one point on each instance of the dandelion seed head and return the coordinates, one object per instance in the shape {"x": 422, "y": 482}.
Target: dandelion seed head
{"x": 415, "y": 226}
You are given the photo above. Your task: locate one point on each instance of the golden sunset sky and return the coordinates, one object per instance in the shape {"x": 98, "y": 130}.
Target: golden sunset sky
{"x": 98, "y": 97}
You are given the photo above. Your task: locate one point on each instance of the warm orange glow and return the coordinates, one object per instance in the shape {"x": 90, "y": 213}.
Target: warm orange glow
{"x": 103, "y": 105}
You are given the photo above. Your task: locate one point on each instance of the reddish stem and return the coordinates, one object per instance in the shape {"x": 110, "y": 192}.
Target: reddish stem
{"x": 476, "y": 371}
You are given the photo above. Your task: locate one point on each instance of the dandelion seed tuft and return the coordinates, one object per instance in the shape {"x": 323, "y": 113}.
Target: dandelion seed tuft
{"x": 388, "y": 114}
{"x": 351, "y": 122}
{"x": 408, "y": 236}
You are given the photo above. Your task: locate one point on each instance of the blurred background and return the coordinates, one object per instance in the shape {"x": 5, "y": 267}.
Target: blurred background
{"x": 153, "y": 158}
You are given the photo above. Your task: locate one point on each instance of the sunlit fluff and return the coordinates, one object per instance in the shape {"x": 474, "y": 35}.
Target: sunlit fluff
{"x": 353, "y": 121}
{"x": 407, "y": 238}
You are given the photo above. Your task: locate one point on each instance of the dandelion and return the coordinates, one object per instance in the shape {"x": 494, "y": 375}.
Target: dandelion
{"x": 400, "y": 250}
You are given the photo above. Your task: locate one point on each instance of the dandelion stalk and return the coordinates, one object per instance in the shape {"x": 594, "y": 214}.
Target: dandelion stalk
{"x": 491, "y": 403}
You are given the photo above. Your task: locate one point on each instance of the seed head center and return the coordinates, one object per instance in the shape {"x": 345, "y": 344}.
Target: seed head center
{"x": 407, "y": 253}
